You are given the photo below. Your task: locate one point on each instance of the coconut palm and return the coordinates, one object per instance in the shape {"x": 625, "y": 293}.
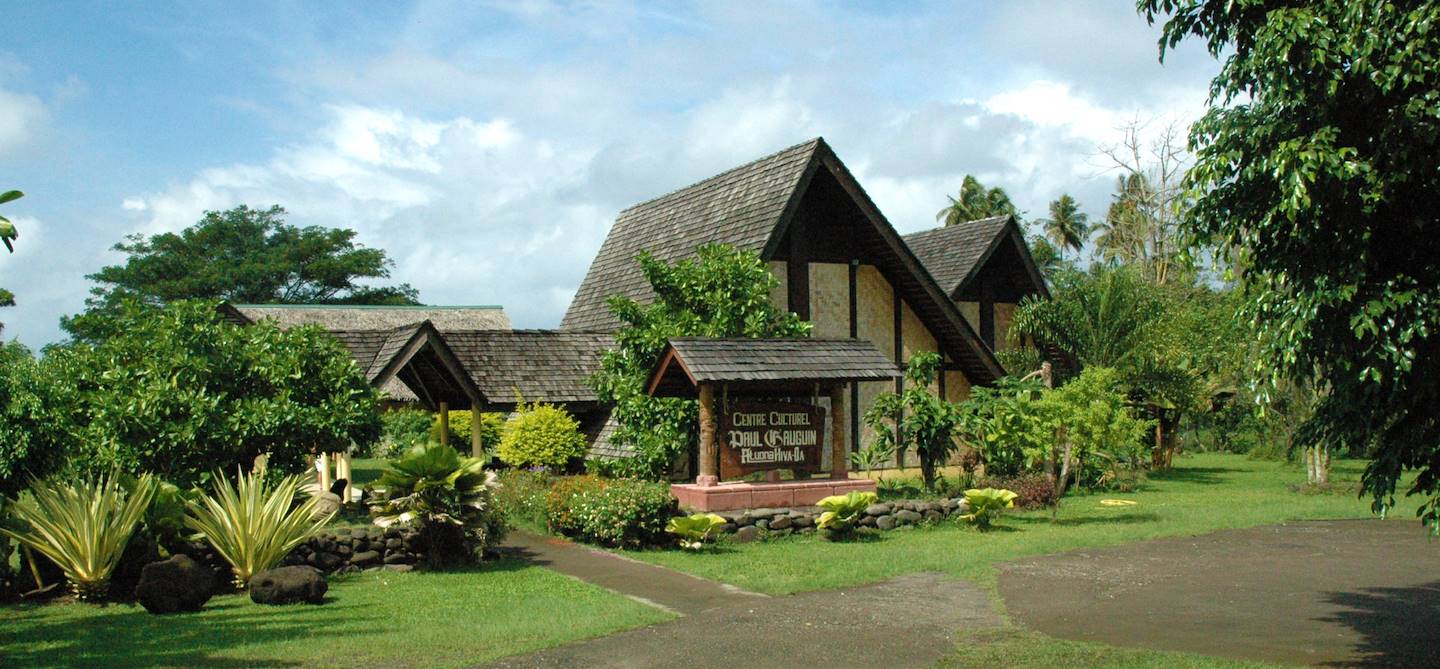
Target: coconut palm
{"x": 1067, "y": 227}
{"x": 975, "y": 202}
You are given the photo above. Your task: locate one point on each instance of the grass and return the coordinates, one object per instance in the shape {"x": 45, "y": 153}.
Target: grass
{"x": 1020, "y": 649}
{"x": 1204, "y": 493}
{"x": 370, "y": 619}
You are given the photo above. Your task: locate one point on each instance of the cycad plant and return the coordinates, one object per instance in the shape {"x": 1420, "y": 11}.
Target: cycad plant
{"x": 251, "y": 524}
{"x": 446, "y": 497}
{"x": 82, "y": 528}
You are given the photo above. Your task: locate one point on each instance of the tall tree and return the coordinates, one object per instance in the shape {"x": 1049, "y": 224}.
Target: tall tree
{"x": 1067, "y": 227}
{"x": 1318, "y": 164}
{"x": 245, "y": 255}
{"x": 975, "y": 201}
{"x": 721, "y": 292}
{"x": 1141, "y": 225}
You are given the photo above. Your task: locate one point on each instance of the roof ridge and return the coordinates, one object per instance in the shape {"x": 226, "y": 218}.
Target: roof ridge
{"x": 816, "y": 141}
{"x": 960, "y": 225}
{"x": 414, "y": 307}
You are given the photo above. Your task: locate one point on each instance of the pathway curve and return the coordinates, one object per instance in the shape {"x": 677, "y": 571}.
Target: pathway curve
{"x": 911, "y": 621}
{"x": 1333, "y": 593}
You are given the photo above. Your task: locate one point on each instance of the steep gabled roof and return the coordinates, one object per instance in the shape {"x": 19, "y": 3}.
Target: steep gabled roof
{"x": 739, "y": 207}
{"x": 415, "y": 355}
{"x": 752, "y": 207}
{"x": 956, "y": 254}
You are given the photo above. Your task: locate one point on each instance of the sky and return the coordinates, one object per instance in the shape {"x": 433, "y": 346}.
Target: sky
{"x": 488, "y": 147}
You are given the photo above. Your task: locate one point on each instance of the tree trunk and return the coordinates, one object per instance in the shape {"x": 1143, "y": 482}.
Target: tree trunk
{"x": 927, "y": 468}
{"x": 1317, "y": 465}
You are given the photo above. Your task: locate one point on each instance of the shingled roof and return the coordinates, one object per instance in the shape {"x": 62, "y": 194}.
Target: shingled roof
{"x": 535, "y": 364}
{"x": 372, "y": 317}
{"x": 953, "y": 253}
{"x": 740, "y": 207}
{"x": 688, "y": 361}
{"x": 411, "y": 361}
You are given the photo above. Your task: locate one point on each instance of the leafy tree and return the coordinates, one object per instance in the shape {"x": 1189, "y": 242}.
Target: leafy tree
{"x": 181, "y": 392}
{"x": 975, "y": 201}
{"x": 244, "y": 255}
{"x": 916, "y": 417}
{"x": 1141, "y": 227}
{"x": 30, "y": 446}
{"x": 1067, "y": 227}
{"x": 721, "y": 292}
{"x": 1318, "y": 165}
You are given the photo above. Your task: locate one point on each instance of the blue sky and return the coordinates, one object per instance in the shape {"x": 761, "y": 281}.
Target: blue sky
{"x": 487, "y": 148}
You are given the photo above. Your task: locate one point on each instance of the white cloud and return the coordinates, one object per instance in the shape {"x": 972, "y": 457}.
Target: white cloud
{"x": 21, "y": 118}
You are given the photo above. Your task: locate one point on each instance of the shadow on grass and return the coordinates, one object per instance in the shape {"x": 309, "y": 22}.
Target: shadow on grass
{"x": 1202, "y": 475}
{"x": 1129, "y": 518}
{"x": 1392, "y": 624}
{"x": 127, "y": 636}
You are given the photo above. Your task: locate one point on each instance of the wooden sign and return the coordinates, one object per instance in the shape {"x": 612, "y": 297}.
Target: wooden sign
{"x": 757, "y": 436}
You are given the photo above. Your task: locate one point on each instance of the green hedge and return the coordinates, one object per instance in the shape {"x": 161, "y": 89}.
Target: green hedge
{"x": 610, "y": 512}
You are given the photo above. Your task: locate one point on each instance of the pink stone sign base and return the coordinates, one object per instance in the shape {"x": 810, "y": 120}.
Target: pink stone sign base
{"x": 729, "y": 496}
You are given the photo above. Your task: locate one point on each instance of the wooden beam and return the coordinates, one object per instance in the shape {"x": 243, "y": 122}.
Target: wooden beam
{"x": 477, "y": 448}
{"x": 445, "y": 423}
{"x": 709, "y": 470}
{"x": 839, "y": 458}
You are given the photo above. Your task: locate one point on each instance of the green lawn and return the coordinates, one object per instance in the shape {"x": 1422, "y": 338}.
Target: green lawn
{"x": 371, "y": 619}
{"x": 1019, "y": 649}
{"x": 1204, "y": 492}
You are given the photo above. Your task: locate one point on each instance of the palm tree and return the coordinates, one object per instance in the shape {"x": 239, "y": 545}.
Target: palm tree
{"x": 975, "y": 202}
{"x": 1067, "y": 227}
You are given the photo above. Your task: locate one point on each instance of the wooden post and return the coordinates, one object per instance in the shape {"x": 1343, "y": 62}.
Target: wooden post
{"x": 476, "y": 447}
{"x": 322, "y": 464}
{"x": 839, "y": 459}
{"x": 709, "y": 473}
{"x": 342, "y": 471}
{"x": 445, "y": 423}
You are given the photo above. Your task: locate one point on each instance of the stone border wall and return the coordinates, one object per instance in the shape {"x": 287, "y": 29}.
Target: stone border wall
{"x": 747, "y": 525}
{"x": 349, "y": 550}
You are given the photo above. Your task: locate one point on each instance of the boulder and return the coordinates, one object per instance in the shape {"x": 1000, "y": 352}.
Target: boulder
{"x": 747, "y": 534}
{"x": 780, "y": 523}
{"x": 763, "y": 523}
{"x": 288, "y": 585}
{"x": 907, "y": 517}
{"x": 397, "y": 557}
{"x": 365, "y": 559}
{"x": 877, "y": 510}
{"x": 933, "y": 515}
{"x": 802, "y": 520}
{"x": 885, "y": 522}
{"x": 175, "y": 585}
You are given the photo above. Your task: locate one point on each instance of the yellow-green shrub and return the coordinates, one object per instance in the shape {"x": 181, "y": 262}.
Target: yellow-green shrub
{"x": 491, "y": 427}
{"x": 541, "y": 435}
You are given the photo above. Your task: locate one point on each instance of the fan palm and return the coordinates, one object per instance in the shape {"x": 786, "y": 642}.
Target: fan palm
{"x": 82, "y": 529}
{"x": 252, "y": 525}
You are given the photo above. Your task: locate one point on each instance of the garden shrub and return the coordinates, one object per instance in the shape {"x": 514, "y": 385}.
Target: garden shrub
{"x": 542, "y": 435}
{"x": 447, "y": 498}
{"x": 521, "y": 497}
{"x": 401, "y": 429}
{"x": 618, "y": 512}
{"x": 253, "y": 525}
{"x": 31, "y": 445}
{"x": 1034, "y": 490}
{"x": 491, "y": 429}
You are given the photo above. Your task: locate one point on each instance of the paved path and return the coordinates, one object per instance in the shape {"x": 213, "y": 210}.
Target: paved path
{"x": 1334, "y": 593}
{"x": 911, "y": 621}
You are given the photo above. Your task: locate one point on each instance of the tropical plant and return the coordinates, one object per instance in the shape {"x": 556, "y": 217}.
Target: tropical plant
{"x": 447, "y": 498}
{"x": 985, "y": 504}
{"x": 843, "y": 512}
{"x": 252, "y": 525}
{"x": 872, "y": 457}
{"x": 1325, "y": 210}
{"x": 542, "y": 435}
{"x": 8, "y": 233}
{"x": 404, "y": 428}
{"x": 1067, "y": 227}
{"x": 179, "y": 391}
{"x": 975, "y": 202}
{"x": 1095, "y": 428}
{"x": 1007, "y": 425}
{"x": 83, "y": 528}
{"x": 720, "y": 292}
{"x": 916, "y": 418}
{"x": 695, "y": 529}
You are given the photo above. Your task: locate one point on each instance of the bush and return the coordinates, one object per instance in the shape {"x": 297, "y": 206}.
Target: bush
{"x": 620, "y": 512}
{"x": 253, "y": 526}
{"x": 84, "y": 529}
{"x": 30, "y": 446}
{"x": 541, "y": 435}
{"x": 521, "y": 497}
{"x": 1033, "y": 491}
{"x": 401, "y": 430}
{"x": 491, "y": 429}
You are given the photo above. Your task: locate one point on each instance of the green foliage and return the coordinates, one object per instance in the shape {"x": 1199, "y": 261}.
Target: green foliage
{"x": 251, "y": 524}
{"x": 721, "y": 292}
{"x": 401, "y": 430}
{"x": 842, "y": 513}
{"x": 1092, "y": 414}
{"x": 610, "y": 512}
{"x": 695, "y": 529}
{"x": 975, "y": 201}
{"x": 492, "y": 426}
{"x": 916, "y": 418}
{"x": 1067, "y": 227}
{"x": 179, "y": 391}
{"x": 244, "y": 256}
{"x": 985, "y": 504}
{"x": 31, "y": 446}
{"x": 447, "y": 497}
{"x": 82, "y": 528}
{"x": 872, "y": 457}
{"x": 520, "y": 497}
{"x": 1007, "y": 425}
{"x": 1329, "y": 210}
{"x": 542, "y": 435}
